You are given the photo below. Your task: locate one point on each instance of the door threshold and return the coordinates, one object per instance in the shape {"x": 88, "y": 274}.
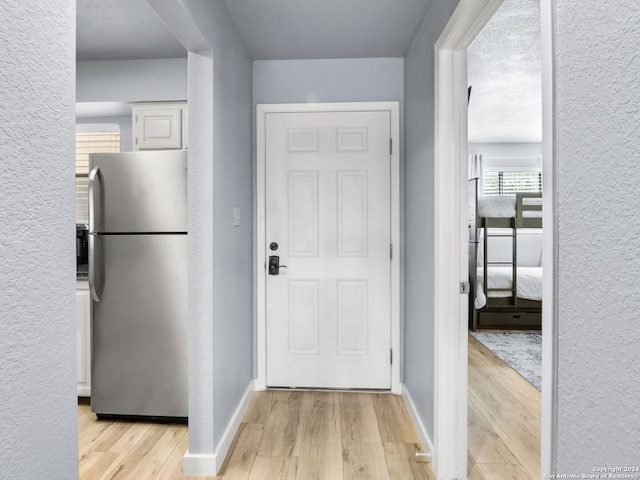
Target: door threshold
{"x": 339, "y": 390}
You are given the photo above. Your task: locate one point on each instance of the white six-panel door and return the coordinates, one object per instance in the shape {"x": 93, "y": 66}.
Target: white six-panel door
{"x": 328, "y": 209}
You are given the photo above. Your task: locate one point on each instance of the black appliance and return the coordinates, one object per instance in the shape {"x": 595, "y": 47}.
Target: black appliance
{"x": 82, "y": 247}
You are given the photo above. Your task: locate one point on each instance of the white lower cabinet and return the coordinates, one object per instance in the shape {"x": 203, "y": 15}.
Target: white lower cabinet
{"x": 83, "y": 338}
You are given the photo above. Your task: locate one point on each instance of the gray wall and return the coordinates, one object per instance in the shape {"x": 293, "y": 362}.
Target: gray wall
{"x": 233, "y": 246}
{"x": 599, "y": 228}
{"x": 419, "y": 211}
{"x": 228, "y": 176}
{"x": 506, "y": 149}
{"x": 124, "y": 81}
{"x": 332, "y": 80}
{"x": 38, "y": 419}
{"x": 131, "y": 80}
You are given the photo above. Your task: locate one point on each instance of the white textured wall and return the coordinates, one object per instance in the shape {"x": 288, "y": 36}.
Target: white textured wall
{"x": 201, "y": 233}
{"x": 420, "y": 210}
{"x": 598, "y": 79}
{"x": 38, "y": 426}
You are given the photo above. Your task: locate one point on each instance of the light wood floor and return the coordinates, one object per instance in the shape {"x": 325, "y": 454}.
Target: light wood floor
{"x": 297, "y": 435}
{"x": 504, "y": 420}
{"x": 288, "y": 435}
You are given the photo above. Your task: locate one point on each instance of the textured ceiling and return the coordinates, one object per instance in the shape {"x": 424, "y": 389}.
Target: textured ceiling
{"x": 122, "y": 30}
{"x": 270, "y": 29}
{"x": 504, "y": 72}
{"x": 504, "y": 61}
{"x": 295, "y": 29}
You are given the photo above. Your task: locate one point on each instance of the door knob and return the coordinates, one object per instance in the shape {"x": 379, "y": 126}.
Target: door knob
{"x": 274, "y": 265}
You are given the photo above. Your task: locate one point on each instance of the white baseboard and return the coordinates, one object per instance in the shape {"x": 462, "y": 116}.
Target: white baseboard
{"x": 427, "y": 444}
{"x": 200, "y": 464}
{"x": 208, "y": 464}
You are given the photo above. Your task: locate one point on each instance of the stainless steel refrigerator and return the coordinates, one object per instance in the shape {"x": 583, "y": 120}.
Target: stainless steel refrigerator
{"x": 138, "y": 283}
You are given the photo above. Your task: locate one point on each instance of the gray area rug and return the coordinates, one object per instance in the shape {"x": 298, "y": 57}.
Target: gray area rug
{"x": 521, "y": 351}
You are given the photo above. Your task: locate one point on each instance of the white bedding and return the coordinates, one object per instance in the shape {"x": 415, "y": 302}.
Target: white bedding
{"x": 529, "y": 245}
{"x": 498, "y": 206}
{"x": 529, "y": 283}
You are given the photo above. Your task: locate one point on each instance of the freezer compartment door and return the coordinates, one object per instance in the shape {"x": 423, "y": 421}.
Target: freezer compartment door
{"x": 139, "y": 192}
{"x": 139, "y": 328}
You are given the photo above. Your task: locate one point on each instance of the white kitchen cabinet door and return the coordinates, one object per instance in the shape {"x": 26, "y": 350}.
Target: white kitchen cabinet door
{"x": 83, "y": 338}
{"x": 159, "y": 126}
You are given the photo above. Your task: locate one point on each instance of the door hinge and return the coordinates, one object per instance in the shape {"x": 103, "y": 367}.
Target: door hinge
{"x": 391, "y": 356}
{"x": 391, "y": 251}
{"x": 465, "y": 288}
{"x": 136, "y": 118}
{"x": 390, "y": 146}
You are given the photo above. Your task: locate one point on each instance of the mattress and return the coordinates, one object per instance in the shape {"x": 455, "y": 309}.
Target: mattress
{"x": 529, "y": 283}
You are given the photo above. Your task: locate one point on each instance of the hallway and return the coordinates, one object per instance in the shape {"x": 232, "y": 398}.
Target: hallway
{"x": 285, "y": 435}
{"x": 301, "y": 435}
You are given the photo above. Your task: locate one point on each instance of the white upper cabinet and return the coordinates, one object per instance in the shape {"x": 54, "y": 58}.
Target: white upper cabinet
{"x": 159, "y": 126}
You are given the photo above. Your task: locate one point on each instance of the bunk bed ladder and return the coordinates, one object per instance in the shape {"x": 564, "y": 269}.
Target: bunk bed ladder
{"x": 511, "y": 225}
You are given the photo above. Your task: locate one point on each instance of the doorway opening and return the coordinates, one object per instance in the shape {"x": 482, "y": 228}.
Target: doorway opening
{"x": 306, "y": 138}
{"x": 451, "y": 267}
{"x": 505, "y": 244}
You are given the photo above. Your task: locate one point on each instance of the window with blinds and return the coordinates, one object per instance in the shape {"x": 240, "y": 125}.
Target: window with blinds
{"x": 88, "y": 142}
{"x": 504, "y": 183}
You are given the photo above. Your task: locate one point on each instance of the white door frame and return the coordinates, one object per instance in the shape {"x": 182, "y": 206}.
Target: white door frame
{"x": 451, "y": 308}
{"x": 261, "y": 112}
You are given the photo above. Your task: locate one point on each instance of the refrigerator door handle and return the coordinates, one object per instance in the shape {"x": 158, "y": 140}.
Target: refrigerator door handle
{"x": 94, "y": 177}
{"x": 96, "y": 272}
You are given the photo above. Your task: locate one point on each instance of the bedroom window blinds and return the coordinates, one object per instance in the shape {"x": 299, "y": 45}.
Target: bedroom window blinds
{"x": 509, "y": 182}
{"x": 87, "y": 143}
